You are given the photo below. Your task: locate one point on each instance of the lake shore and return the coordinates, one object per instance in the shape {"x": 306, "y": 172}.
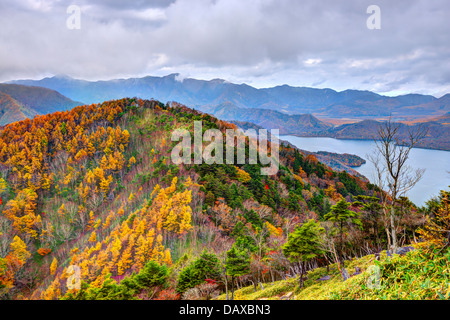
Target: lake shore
{"x": 364, "y": 139}
{"x": 436, "y": 176}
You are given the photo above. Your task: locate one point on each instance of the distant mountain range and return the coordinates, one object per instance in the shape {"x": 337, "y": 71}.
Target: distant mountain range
{"x": 18, "y": 102}
{"x": 292, "y": 110}
{"x": 270, "y": 119}
{"x": 307, "y": 125}
{"x": 322, "y": 103}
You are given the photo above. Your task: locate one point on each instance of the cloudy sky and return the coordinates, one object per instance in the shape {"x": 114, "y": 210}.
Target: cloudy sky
{"x": 317, "y": 43}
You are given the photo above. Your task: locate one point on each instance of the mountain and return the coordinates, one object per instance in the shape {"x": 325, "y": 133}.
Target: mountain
{"x": 41, "y": 100}
{"x": 307, "y": 125}
{"x": 95, "y": 206}
{"x": 101, "y": 192}
{"x": 12, "y": 110}
{"x": 269, "y": 119}
{"x": 444, "y": 119}
{"x": 326, "y": 103}
{"x": 335, "y": 161}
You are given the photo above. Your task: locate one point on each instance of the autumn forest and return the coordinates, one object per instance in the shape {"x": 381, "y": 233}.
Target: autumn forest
{"x": 93, "y": 208}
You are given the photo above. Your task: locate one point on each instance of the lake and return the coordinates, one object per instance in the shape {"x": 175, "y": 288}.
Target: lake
{"x": 435, "y": 162}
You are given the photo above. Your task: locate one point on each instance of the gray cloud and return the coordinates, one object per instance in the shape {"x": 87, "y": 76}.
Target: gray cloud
{"x": 262, "y": 42}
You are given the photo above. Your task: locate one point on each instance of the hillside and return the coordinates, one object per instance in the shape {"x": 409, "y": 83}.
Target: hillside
{"x": 322, "y": 103}
{"x": 91, "y": 186}
{"x": 269, "y": 119}
{"x": 417, "y": 275}
{"x": 438, "y": 136}
{"x": 11, "y": 110}
{"x": 307, "y": 125}
{"x": 337, "y": 162}
{"x": 92, "y": 207}
{"x": 40, "y": 100}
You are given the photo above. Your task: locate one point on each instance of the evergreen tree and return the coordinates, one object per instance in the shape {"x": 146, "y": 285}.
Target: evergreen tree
{"x": 341, "y": 215}
{"x": 153, "y": 274}
{"x": 371, "y": 207}
{"x": 207, "y": 266}
{"x": 304, "y": 244}
{"x": 237, "y": 264}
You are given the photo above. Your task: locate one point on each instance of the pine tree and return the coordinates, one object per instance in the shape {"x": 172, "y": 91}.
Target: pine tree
{"x": 341, "y": 215}
{"x": 237, "y": 264}
{"x": 304, "y": 244}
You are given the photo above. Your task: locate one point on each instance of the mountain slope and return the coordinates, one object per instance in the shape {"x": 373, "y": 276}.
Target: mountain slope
{"x": 269, "y": 119}
{"x": 307, "y": 125}
{"x": 41, "y": 100}
{"x": 11, "y": 110}
{"x": 438, "y": 136}
{"x": 95, "y": 187}
{"x": 417, "y": 275}
{"x": 293, "y": 100}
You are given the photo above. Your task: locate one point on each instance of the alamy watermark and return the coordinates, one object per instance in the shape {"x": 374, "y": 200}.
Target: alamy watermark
{"x": 74, "y": 280}
{"x": 374, "y": 280}
{"x": 73, "y": 22}
{"x": 213, "y": 153}
{"x": 374, "y": 20}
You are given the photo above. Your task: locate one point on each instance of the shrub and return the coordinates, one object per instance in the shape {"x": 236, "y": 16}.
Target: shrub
{"x": 151, "y": 275}
{"x": 207, "y": 266}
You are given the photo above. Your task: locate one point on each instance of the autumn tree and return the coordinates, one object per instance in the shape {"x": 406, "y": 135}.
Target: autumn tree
{"x": 13, "y": 262}
{"x": 53, "y": 266}
{"x": 436, "y": 232}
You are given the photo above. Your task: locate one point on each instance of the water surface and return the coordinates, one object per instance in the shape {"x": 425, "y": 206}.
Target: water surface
{"x": 435, "y": 162}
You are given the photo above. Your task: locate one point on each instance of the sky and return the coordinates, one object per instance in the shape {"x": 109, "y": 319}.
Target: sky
{"x": 264, "y": 43}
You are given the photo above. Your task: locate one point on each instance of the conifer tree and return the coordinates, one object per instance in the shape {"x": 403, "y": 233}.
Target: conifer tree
{"x": 341, "y": 215}
{"x": 304, "y": 244}
{"x": 237, "y": 264}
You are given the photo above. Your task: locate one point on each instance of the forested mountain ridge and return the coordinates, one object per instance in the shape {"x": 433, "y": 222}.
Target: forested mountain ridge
{"x": 306, "y": 125}
{"x": 94, "y": 188}
{"x": 12, "y": 110}
{"x": 322, "y": 103}
{"x": 18, "y": 102}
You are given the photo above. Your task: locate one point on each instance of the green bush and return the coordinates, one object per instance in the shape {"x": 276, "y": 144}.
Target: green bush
{"x": 151, "y": 275}
{"x": 207, "y": 266}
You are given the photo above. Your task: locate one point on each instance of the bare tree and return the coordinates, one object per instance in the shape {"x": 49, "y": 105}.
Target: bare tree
{"x": 393, "y": 175}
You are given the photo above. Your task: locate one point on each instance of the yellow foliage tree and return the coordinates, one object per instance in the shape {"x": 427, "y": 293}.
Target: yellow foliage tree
{"x": 93, "y": 237}
{"x": 436, "y": 232}
{"x": 242, "y": 175}
{"x": 53, "y": 266}
{"x": 131, "y": 161}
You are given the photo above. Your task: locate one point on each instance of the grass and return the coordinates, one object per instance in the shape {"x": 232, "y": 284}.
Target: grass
{"x": 418, "y": 275}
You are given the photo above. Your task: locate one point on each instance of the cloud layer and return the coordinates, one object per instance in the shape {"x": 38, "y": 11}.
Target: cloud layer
{"x": 322, "y": 43}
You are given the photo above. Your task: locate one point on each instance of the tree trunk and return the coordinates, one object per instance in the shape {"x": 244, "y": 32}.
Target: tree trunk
{"x": 232, "y": 288}
{"x": 226, "y": 282}
{"x": 254, "y": 285}
{"x": 300, "y": 282}
{"x": 388, "y": 237}
{"x": 394, "y": 235}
